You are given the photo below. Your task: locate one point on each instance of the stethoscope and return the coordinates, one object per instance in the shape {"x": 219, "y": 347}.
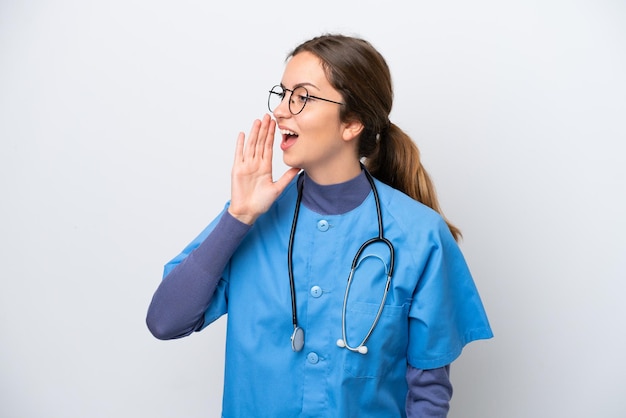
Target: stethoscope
{"x": 297, "y": 338}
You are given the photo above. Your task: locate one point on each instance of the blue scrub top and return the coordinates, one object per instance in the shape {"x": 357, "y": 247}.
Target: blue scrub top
{"x": 432, "y": 309}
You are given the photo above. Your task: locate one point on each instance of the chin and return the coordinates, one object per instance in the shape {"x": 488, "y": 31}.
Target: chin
{"x": 291, "y": 162}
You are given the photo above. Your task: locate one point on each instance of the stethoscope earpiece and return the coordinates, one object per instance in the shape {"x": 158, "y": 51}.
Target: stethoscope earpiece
{"x": 342, "y": 344}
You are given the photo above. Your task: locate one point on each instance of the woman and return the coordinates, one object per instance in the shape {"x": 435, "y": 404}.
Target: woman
{"x": 368, "y": 332}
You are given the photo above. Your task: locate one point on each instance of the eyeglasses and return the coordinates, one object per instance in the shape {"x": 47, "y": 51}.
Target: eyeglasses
{"x": 298, "y": 98}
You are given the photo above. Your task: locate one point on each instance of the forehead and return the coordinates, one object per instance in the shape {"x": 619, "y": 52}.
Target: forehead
{"x": 305, "y": 68}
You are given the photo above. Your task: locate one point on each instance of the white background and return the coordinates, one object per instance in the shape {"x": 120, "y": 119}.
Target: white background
{"x": 117, "y": 124}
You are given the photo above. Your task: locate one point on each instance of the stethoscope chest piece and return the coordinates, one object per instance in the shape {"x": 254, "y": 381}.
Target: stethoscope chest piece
{"x": 297, "y": 339}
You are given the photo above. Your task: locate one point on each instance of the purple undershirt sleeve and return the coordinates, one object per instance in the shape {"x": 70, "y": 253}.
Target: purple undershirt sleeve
{"x": 429, "y": 392}
{"x": 183, "y": 296}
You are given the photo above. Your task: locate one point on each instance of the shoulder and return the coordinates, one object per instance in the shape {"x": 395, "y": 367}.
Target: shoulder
{"x": 412, "y": 222}
{"x": 404, "y": 207}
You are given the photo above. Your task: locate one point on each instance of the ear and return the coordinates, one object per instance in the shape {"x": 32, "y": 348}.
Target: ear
{"x": 352, "y": 129}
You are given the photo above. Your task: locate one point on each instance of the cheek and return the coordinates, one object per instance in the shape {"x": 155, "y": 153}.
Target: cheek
{"x": 326, "y": 123}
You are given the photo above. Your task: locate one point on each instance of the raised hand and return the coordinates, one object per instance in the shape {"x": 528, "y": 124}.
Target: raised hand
{"x": 253, "y": 189}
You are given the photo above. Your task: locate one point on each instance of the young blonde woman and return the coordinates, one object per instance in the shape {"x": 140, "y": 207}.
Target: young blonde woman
{"x": 346, "y": 292}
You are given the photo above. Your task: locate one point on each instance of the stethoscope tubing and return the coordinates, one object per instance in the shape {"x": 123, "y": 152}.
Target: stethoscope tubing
{"x": 297, "y": 338}
{"x": 361, "y": 347}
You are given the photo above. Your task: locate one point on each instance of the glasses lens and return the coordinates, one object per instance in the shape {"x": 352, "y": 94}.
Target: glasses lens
{"x": 299, "y": 97}
{"x": 277, "y": 93}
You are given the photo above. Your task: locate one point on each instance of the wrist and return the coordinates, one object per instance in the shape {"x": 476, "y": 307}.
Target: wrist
{"x": 242, "y": 217}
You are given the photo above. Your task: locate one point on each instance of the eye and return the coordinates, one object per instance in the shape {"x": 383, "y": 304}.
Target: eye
{"x": 300, "y": 96}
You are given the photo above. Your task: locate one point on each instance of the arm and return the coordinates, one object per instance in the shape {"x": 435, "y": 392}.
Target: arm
{"x": 429, "y": 392}
{"x": 178, "y": 305}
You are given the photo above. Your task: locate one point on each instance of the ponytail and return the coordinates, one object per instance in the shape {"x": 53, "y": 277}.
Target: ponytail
{"x": 396, "y": 162}
{"x": 360, "y": 73}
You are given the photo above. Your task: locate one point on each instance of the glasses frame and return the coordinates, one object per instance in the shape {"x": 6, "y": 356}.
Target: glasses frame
{"x": 308, "y": 96}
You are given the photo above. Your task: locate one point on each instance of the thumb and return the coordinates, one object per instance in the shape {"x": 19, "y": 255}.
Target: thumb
{"x": 286, "y": 178}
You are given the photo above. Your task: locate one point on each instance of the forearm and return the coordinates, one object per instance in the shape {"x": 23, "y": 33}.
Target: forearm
{"x": 429, "y": 392}
{"x": 179, "y": 303}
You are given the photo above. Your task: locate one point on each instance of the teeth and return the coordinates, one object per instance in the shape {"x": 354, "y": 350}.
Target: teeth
{"x": 287, "y": 132}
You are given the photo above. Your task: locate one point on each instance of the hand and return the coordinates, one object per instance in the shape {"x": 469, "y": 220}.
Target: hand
{"x": 253, "y": 189}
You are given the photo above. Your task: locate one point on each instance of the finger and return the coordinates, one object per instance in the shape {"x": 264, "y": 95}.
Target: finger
{"x": 268, "y": 144}
{"x": 250, "y": 148}
{"x": 262, "y": 136}
{"x": 239, "y": 147}
{"x": 269, "y": 141}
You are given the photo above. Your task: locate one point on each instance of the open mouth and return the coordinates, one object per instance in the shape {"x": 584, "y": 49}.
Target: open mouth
{"x": 289, "y": 138}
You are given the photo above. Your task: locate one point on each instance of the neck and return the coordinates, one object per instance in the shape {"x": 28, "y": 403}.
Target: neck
{"x": 328, "y": 176}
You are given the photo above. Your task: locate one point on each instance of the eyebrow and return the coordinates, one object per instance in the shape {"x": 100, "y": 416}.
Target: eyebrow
{"x": 304, "y": 84}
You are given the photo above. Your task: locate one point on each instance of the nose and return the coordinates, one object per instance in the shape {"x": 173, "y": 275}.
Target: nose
{"x": 282, "y": 110}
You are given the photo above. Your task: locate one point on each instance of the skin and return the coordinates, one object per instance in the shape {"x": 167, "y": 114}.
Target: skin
{"x": 325, "y": 147}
